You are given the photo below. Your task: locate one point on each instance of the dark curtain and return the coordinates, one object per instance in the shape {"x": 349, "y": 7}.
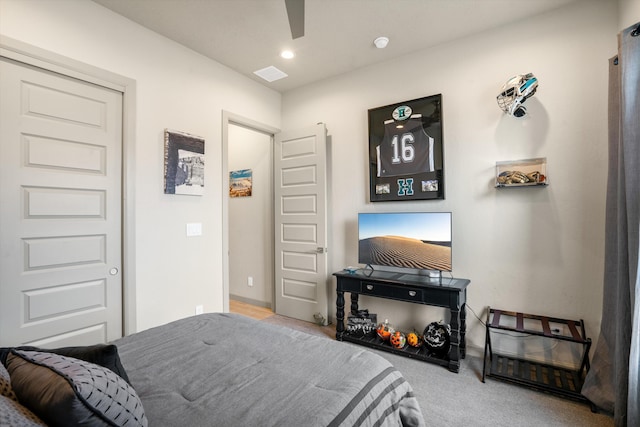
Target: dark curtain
{"x": 613, "y": 380}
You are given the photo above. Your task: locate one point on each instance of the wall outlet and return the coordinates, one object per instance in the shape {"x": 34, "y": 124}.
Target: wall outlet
{"x": 249, "y": 281}
{"x": 199, "y": 309}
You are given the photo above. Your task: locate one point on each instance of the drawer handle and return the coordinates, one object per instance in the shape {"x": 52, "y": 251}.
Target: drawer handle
{"x": 412, "y": 293}
{"x": 369, "y": 287}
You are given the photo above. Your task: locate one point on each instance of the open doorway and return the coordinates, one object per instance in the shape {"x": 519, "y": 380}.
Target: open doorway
{"x": 250, "y": 216}
{"x": 286, "y": 270}
{"x": 248, "y": 212}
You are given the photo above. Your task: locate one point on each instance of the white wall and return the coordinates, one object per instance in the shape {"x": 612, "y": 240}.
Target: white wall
{"x": 251, "y": 219}
{"x": 176, "y": 89}
{"x": 535, "y": 250}
{"x": 628, "y": 13}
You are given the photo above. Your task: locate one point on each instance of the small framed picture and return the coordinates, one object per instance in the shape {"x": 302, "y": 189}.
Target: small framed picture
{"x": 406, "y": 151}
{"x": 240, "y": 183}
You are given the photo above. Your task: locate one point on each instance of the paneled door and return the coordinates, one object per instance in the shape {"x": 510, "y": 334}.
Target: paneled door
{"x": 300, "y": 206}
{"x": 60, "y": 209}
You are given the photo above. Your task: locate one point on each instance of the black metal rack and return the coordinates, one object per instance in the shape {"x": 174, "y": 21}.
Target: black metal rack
{"x": 546, "y": 377}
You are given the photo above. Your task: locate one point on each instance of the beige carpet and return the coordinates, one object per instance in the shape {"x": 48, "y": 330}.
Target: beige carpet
{"x": 449, "y": 399}
{"x": 310, "y": 328}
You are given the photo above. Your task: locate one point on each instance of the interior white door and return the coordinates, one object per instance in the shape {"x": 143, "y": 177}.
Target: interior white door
{"x": 60, "y": 216}
{"x": 300, "y": 191}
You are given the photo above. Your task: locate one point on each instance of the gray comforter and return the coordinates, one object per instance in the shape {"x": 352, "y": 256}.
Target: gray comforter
{"x": 229, "y": 370}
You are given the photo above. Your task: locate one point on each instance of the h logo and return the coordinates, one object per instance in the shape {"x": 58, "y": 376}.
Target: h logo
{"x": 405, "y": 187}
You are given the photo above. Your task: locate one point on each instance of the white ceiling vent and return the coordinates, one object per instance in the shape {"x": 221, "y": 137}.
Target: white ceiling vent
{"x": 271, "y": 74}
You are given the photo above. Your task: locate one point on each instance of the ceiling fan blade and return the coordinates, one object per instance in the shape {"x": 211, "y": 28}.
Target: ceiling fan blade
{"x": 295, "y": 12}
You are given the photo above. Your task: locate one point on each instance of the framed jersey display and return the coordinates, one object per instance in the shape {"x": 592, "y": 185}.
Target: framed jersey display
{"x": 405, "y": 151}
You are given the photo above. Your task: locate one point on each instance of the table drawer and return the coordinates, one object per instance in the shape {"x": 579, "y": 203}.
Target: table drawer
{"x": 405, "y": 293}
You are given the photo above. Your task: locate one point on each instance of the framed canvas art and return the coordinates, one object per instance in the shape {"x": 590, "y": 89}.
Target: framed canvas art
{"x": 406, "y": 151}
{"x": 183, "y": 163}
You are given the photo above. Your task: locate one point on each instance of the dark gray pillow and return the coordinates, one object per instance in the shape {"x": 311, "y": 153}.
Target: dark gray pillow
{"x": 64, "y": 391}
{"x": 101, "y": 354}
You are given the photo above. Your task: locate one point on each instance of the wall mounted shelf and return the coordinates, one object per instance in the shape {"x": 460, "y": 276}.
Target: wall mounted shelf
{"x": 522, "y": 173}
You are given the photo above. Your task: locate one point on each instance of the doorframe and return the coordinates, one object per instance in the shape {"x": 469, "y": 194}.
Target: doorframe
{"x": 31, "y": 55}
{"x": 235, "y": 119}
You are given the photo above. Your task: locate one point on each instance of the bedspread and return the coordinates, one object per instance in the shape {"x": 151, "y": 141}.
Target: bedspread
{"x": 230, "y": 370}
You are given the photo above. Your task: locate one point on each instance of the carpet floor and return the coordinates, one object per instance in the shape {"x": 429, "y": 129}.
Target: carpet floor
{"x": 462, "y": 399}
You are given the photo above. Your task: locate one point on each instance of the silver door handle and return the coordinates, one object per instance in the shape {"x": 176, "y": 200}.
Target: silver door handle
{"x": 412, "y": 293}
{"x": 317, "y": 251}
{"x": 113, "y": 271}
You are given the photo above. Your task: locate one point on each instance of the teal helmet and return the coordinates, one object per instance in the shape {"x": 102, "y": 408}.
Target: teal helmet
{"x": 515, "y": 92}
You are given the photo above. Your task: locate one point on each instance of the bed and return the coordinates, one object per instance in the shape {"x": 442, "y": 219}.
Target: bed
{"x": 225, "y": 369}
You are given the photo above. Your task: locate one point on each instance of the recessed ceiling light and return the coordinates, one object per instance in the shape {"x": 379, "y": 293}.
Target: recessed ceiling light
{"x": 287, "y": 54}
{"x": 381, "y": 42}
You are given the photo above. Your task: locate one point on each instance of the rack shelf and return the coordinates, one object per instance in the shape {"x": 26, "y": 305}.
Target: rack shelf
{"x": 419, "y": 353}
{"x": 548, "y": 377}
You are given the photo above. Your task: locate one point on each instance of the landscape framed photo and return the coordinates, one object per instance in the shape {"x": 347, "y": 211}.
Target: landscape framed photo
{"x": 406, "y": 159}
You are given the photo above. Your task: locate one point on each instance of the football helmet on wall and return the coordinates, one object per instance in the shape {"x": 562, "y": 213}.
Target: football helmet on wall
{"x": 515, "y": 92}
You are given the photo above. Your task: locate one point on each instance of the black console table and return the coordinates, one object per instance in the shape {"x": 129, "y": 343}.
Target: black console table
{"x": 442, "y": 292}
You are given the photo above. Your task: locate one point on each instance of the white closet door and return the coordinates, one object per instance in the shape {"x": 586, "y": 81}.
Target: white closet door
{"x": 60, "y": 215}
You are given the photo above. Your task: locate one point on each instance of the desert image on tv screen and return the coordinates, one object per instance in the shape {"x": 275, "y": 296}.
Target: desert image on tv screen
{"x": 420, "y": 240}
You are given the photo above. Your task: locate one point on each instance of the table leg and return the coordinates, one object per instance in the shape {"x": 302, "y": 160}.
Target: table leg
{"x": 354, "y": 304}
{"x": 339, "y": 315}
{"x": 454, "y": 351}
{"x": 463, "y": 331}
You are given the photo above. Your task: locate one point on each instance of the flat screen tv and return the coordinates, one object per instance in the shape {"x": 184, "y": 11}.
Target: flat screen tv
{"x": 411, "y": 240}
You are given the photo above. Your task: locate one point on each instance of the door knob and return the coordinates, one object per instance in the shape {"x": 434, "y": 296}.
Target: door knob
{"x": 113, "y": 271}
{"x": 317, "y": 251}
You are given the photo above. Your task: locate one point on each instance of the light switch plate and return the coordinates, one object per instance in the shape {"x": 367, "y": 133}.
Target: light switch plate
{"x": 194, "y": 229}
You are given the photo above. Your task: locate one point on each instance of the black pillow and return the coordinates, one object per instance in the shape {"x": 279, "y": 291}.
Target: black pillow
{"x": 65, "y": 392}
{"x": 105, "y": 355}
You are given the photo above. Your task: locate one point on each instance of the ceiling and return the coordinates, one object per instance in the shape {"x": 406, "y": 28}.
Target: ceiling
{"x": 248, "y": 35}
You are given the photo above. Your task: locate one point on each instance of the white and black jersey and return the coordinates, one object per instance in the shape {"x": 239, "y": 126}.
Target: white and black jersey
{"x": 405, "y": 149}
